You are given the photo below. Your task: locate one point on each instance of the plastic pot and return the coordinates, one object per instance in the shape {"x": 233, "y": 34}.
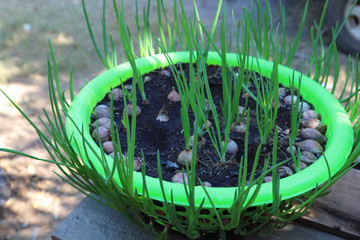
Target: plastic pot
{"x": 339, "y": 134}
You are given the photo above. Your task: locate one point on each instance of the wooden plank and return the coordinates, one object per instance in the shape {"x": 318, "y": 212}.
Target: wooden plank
{"x": 91, "y": 220}
{"x": 345, "y": 195}
{"x": 336, "y": 214}
{"x": 339, "y": 212}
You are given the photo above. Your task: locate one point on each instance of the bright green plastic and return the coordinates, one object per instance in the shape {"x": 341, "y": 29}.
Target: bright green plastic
{"x": 339, "y": 131}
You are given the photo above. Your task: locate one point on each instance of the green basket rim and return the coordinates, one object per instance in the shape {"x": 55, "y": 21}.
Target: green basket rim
{"x": 339, "y": 131}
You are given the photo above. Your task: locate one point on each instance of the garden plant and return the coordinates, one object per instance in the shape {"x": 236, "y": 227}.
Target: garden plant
{"x": 205, "y": 130}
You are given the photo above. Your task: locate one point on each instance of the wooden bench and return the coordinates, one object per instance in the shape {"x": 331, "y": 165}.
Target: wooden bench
{"x": 335, "y": 216}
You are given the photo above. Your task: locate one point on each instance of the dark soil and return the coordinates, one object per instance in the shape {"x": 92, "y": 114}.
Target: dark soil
{"x": 167, "y": 137}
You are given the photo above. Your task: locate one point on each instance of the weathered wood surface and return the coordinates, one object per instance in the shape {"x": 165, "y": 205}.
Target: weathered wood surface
{"x": 336, "y": 214}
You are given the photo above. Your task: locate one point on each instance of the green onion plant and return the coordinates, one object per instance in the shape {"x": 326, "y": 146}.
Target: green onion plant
{"x": 254, "y": 35}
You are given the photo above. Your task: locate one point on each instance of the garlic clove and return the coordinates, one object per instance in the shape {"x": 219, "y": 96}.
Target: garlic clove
{"x": 162, "y": 116}
{"x": 174, "y": 96}
{"x": 310, "y": 145}
{"x": 116, "y": 93}
{"x": 185, "y": 157}
{"x": 101, "y": 111}
{"x": 147, "y": 79}
{"x": 311, "y": 133}
{"x": 178, "y": 178}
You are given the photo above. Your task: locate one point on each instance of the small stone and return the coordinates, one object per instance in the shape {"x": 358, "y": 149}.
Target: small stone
{"x": 310, "y": 145}
{"x": 116, "y": 94}
{"x": 306, "y": 115}
{"x": 108, "y": 147}
{"x": 127, "y": 87}
{"x": 282, "y": 92}
{"x": 5, "y": 188}
{"x": 284, "y": 171}
{"x": 267, "y": 179}
{"x": 302, "y": 166}
{"x": 307, "y": 157}
{"x": 234, "y": 174}
{"x": 305, "y": 106}
{"x": 171, "y": 166}
{"x": 287, "y": 100}
{"x": 207, "y": 184}
{"x": 311, "y": 133}
{"x": 165, "y": 73}
{"x": 293, "y": 148}
{"x": 102, "y": 122}
{"x": 101, "y": 133}
{"x": 102, "y": 111}
{"x": 316, "y": 124}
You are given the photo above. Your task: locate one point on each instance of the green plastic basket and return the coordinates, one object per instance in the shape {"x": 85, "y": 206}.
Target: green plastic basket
{"x": 339, "y": 134}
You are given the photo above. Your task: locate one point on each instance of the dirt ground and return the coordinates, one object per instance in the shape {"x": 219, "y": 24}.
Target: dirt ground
{"x": 39, "y": 200}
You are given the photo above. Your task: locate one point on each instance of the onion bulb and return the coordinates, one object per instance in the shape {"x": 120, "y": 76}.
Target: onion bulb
{"x": 200, "y": 142}
{"x": 178, "y": 178}
{"x": 174, "y": 96}
{"x": 231, "y": 147}
{"x": 185, "y": 157}
{"x": 238, "y": 127}
{"x": 130, "y": 110}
